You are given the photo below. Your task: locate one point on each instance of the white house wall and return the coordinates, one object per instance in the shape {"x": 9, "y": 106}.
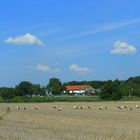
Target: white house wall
{"x": 76, "y": 91}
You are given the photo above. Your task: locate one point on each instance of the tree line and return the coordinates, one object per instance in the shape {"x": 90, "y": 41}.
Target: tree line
{"x": 114, "y": 89}
{"x": 24, "y": 88}
{"x": 27, "y": 89}
{"x": 109, "y": 90}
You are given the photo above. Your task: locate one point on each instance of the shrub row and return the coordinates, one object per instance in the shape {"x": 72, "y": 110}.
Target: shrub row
{"x": 19, "y": 99}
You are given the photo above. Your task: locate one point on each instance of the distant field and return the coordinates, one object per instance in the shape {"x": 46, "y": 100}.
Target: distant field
{"x": 70, "y": 124}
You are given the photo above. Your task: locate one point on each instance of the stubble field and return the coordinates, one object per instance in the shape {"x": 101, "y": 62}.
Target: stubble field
{"x": 47, "y": 123}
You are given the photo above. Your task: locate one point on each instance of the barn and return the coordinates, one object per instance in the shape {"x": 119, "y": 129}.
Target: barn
{"x": 80, "y": 89}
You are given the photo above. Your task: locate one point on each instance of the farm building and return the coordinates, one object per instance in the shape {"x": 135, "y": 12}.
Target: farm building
{"x": 80, "y": 89}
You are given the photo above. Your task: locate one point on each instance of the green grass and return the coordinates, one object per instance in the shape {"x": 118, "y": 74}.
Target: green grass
{"x": 130, "y": 99}
{"x": 51, "y": 99}
{"x": 61, "y": 99}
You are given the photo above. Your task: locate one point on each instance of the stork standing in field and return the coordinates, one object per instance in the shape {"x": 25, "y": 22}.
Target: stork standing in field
{"x": 131, "y": 108}
{"x": 82, "y": 107}
{"x": 8, "y": 108}
{"x": 36, "y": 107}
{"x": 55, "y": 106}
{"x": 120, "y": 107}
{"x": 18, "y": 108}
{"x": 60, "y": 108}
{"x": 137, "y": 106}
{"x": 125, "y": 106}
{"x": 75, "y": 107}
{"x": 105, "y": 108}
{"x": 89, "y": 107}
{"x": 101, "y": 108}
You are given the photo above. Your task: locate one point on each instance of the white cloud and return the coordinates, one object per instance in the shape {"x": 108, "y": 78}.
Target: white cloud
{"x": 79, "y": 70}
{"x": 43, "y": 68}
{"x": 26, "y": 39}
{"x": 46, "y": 68}
{"x": 123, "y": 48}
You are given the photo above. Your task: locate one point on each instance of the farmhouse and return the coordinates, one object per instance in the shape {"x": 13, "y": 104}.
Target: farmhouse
{"x": 80, "y": 89}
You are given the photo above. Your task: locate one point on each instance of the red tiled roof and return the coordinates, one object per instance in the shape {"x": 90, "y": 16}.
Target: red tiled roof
{"x": 76, "y": 87}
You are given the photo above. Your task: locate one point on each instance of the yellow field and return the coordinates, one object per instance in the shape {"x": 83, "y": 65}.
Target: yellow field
{"x": 70, "y": 124}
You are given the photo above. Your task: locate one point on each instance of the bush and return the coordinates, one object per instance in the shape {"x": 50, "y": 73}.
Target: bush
{"x": 19, "y": 99}
{"x": 7, "y": 93}
{"x": 111, "y": 91}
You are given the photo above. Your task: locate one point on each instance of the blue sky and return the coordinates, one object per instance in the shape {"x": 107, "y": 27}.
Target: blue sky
{"x": 68, "y": 39}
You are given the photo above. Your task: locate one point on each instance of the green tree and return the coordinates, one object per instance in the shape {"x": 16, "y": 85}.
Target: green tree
{"x": 116, "y": 90}
{"x": 111, "y": 90}
{"x": 55, "y": 86}
{"x": 36, "y": 89}
{"x": 127, "y": 89}
{"x": 25, "y": 88}
{"x": 106, "y": 90}
{"x": 7, "y": 93}
{"x": 43, "y": 91}
{"x": 135, "y": 90}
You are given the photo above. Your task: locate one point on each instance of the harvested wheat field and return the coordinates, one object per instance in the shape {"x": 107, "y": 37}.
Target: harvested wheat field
{"x": 70, "y": 121}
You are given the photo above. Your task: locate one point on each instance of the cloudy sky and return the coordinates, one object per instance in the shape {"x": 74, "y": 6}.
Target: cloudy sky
{"x": 68, "y": 39}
